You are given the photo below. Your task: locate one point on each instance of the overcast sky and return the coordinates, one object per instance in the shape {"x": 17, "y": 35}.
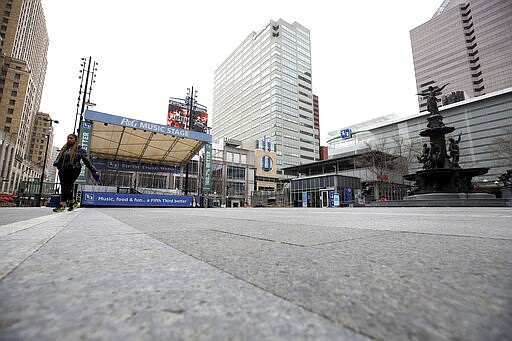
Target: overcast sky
{"x": 148, "y": 51}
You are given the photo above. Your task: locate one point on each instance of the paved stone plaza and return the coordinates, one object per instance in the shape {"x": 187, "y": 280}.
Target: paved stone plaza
{"x": 256, "y": 274}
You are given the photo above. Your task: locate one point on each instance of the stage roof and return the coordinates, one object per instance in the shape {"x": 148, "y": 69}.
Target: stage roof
{"x": 122, "y": 138}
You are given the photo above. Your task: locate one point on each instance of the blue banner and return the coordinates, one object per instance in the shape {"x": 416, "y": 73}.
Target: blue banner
{"x": 128, "y": 166}
{"x": 347, "y": 194}
{"x": 331, "y": 198}
{"x": 85, "y": 141}
{"x": 143, "y": 125}
{"x": 138, "y": 200}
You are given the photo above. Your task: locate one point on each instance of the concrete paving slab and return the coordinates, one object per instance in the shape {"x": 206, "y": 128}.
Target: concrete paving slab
{"x": 99, "y": 278}
{"x": 474, "y": 221}
{"x": 426, "y": 288}
{"x": 398, "y": 276}
{"x": 247, "y": 274}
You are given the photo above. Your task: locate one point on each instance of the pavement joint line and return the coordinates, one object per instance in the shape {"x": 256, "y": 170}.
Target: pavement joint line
{"x": 378, "y": 235}
{"x": 259, "y": 287}
{"x": 447, "y": 214}
{"x": 450, "y": 235}
{"x": 259, "y": 238}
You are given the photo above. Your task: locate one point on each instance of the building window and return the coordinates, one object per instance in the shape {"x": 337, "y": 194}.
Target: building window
{"x": 12, "y": 102}
{"x": 236, "y": 172}
{"x": 17, "y": 76}
{"x": 10, "y": 111}
{"x": 8, "y": 119}
{"x": 14, "y": 93}
{"x": 15, "y": 85}
{"x": 236, "y": 188}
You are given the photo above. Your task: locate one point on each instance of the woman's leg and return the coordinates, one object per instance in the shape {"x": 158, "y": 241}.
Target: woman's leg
{"x": 67, "y": 181}
{"x": 66, "y": 187}
{"x": 74, "y": 174}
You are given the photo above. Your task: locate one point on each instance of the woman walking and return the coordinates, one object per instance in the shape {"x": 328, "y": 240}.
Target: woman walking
{"x": 69, "y": 166}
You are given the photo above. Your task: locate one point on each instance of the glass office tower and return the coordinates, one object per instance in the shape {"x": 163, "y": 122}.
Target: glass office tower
{"x": 467, "y": 44}
{"x": 263, "y": 94}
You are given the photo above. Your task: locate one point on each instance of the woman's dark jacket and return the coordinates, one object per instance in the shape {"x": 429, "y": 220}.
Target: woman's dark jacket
{"x": 64, "y": 162}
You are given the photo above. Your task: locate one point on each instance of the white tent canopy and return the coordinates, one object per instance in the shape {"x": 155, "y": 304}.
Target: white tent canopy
{"x": 121, "y": 138}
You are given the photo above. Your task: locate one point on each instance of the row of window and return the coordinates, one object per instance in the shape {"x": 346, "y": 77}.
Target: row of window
{"x": 303, "y": 34}
{"x": 236, "y": 158}
{"x": 5, "y": 20}
{"x": 237, "y": 72}
{"x": 236, "y": 130}
{"x": 15, "y": 85}
{"x": 301, "y": 42}
{"x": 258, "y": 89}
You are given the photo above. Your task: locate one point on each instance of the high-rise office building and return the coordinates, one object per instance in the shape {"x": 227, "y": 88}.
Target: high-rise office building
{"x": 263, "y": 93}
{"x": 41, "y": 141}
{"x": 316, "y": 115}
{"x": 23, "y": 61}
{"x": 467, "y": 44}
